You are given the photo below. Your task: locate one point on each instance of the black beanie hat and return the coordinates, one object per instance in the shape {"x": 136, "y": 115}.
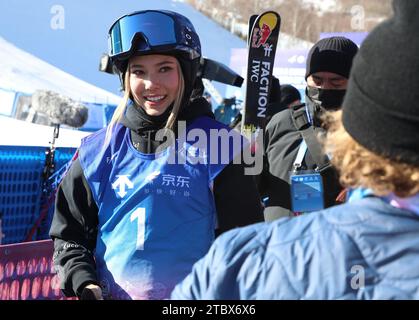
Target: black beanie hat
{"x": 289, "y": 94}
{"x": 333, "y": 54}
{"x": 380, "y": 109}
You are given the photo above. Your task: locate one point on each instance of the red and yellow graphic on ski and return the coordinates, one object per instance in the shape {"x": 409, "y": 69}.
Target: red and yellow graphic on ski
{"x": 266, "y": 24}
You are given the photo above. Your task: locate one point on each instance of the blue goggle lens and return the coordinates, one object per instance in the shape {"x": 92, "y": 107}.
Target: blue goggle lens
{"x": 156, "y": 29}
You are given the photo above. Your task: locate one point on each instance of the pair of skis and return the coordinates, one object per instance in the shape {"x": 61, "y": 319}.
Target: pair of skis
{"x": 261, "y": 42}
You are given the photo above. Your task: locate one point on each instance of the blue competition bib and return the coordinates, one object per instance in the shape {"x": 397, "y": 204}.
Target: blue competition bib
{"x": 156, "y": 217}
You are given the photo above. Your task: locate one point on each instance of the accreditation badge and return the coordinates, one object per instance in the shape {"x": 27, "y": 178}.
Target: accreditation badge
{"x": 306, "y": 192}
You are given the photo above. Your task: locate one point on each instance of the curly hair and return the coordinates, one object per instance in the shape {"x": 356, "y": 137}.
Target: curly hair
{"x": 358, "y": 166}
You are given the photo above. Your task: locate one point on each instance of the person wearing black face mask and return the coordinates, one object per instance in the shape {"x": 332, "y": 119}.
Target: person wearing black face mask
{"x": 328, "y": 65}
{"x": 320, "y": 95}
{"x": 290, "y": 139}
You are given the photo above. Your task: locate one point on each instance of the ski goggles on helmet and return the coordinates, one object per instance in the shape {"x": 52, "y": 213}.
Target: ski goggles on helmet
{"x": 153, "y": 32}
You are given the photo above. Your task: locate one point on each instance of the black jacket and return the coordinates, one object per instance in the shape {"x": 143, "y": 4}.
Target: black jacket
{"x": 281, "y": 143}
{"x": 74, "y": 226}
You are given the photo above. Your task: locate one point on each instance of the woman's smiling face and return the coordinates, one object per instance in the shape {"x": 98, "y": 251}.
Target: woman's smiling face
{"x": 154, "y": 82}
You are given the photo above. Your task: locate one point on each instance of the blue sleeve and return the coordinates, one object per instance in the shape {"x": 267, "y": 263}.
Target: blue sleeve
{"x": 217, "y": 275}
{"x": 196, "y": 286}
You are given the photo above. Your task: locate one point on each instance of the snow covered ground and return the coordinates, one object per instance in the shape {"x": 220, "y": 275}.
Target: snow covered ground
{"x": 21, "y": 133}
{"x": 23, "y": 72}
{"x": 323, "y": 5}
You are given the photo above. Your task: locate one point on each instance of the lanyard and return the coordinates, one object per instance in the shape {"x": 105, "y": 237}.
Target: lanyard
{"x": 308, "y": 115}
{"x": 300, "y": 155}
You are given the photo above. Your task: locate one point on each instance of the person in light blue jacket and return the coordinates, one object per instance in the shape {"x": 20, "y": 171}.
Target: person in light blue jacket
{"x": 367, "y": 248}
